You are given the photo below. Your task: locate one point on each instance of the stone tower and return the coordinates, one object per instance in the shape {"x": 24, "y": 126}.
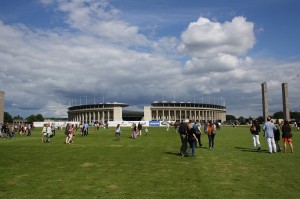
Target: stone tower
{"x": 2, "y": 93}
{"x": 265, "y": 100}
{"x": 286, "y": 111}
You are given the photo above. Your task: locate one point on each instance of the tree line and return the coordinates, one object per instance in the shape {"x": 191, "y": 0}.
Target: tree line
{"x": 39, "y": 118}
{"x": 260, "y": 119}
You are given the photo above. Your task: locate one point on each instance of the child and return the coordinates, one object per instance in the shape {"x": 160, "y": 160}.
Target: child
{"x": 146, "y": 131}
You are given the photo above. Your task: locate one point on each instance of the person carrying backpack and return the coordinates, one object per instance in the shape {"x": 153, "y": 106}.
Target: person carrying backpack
{"x": 183, "y": 129}
{"x": 197, "y": 127}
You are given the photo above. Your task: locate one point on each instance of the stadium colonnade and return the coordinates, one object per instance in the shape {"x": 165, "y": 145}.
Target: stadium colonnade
{"x": 163, "y": 111}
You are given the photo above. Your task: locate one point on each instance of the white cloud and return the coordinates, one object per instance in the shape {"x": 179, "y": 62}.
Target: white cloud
{"x": 205, "y": 38}
{"x": 216, "y": 47}
{"x": 101, "y": 19}
{"x": 98, "y": 54}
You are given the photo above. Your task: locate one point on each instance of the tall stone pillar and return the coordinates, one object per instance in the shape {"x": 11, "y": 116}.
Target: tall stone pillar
{"x": 2, "y": 93}
{"x": 286, "y": 111}
{"x": 265, "y": 103}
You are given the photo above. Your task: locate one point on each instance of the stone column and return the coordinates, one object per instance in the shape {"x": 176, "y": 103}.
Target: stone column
{"x": 2, "y": 94}
{"x": 265, "y": 103}
{"x": 286, "y": 111}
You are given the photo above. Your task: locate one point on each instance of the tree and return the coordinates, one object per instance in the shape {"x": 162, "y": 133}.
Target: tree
{"x": 230, "y": 118}
{"x": 242, "y": 120}
{"x": 35, "y": 118}
{"x": 18, "y": 118}
{"x": 260, "y": 119}
{"x": 39, "y": 117}
{"x": 278, "y": 115}
{"x": 295, "y": 115}
{"x": 7, "y": 118}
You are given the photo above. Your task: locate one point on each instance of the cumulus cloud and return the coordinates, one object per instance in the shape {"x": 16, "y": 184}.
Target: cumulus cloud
{"x": 51, "y": 67}
{"x": 100, "y": 55}
{"x": 100, "y": 19}
{"x": 216, "y": 47}
{"x": 205, "y": 38}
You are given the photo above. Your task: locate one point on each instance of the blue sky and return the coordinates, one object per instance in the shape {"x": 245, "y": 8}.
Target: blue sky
{"x": 55, "y": 53}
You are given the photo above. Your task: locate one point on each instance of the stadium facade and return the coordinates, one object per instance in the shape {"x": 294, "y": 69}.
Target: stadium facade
{"x": 163, "y": 111}
{"x": 102, "y": 112}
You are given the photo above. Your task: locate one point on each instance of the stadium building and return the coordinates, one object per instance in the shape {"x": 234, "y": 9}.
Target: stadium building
{"x": 163, "y": 111}
{"x": 178, "y": 111}
{"x": 102, "y": 112}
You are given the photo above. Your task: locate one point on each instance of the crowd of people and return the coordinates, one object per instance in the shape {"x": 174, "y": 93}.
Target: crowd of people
{"x": 191, "y": 134}
{"x": 272, "y": 134}
{"x": 10, "y": 130}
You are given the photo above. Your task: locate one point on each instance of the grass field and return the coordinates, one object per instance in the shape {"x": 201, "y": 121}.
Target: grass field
{"x": 99, "y": 167}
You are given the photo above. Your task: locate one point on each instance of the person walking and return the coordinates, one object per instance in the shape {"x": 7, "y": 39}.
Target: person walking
{"x": 277, "y": 137}
{"x": 44, "y": 132}
{"x": 118, "y": 132}
{"x": 287, "y": 136}
{"x": 197, "y": 127}
{"x": 71, "y": 133}
{"x": 269, "y": 129}
{"x": 67, "y": 133}
{"x": 85, "y": 129}
{"x": 183, "y": 129}
{"x": 53, "y": 127}
{"x": 146, "y": 131}
{"x": 192, "y": 139}
{"x": 140, "y": 127}
{"x": 255, "y": 129}
{"x": 134, "y": 131}
{"x": 211, "y": 132}
{"x": 48, "y": 133}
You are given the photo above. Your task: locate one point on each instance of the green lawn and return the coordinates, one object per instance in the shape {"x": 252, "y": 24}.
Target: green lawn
{"x": 99, "y": 167}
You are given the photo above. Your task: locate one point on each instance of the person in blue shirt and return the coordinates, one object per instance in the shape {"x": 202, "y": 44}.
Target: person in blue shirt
{"x": 85, "y": 129}
{"x": 269, "y": 129}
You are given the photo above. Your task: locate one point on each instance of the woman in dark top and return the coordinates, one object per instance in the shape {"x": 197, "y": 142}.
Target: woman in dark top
{"x": 277, "y": 138}
{"x": 255, "y": 129}
{"x": 287, "y": 136}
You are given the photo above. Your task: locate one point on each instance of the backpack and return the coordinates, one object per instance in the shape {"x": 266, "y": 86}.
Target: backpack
{"x": 182, "y": 128}
{"x": 196, "y": 128}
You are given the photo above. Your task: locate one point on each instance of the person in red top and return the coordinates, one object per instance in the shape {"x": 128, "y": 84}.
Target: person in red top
{"x": 287, "y": 136}
{"x": 71, "y": 135}
{"x": 211, "y": 132}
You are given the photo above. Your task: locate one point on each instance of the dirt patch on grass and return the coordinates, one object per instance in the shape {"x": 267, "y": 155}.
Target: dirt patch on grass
{"x": 87, "y": 164}
{"x": 113, "y": 186}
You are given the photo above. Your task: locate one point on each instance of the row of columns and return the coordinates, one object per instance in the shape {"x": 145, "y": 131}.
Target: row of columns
{"x": 179, "y": 115}
{"x": 93, "y": 116}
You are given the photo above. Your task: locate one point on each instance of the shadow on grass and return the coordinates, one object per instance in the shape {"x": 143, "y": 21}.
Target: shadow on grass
{"x": 251, "y": 150}
{"x": 172, "y": 153}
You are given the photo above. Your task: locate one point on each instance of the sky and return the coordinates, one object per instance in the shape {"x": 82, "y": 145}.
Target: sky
{"x": 58, "y": 53}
